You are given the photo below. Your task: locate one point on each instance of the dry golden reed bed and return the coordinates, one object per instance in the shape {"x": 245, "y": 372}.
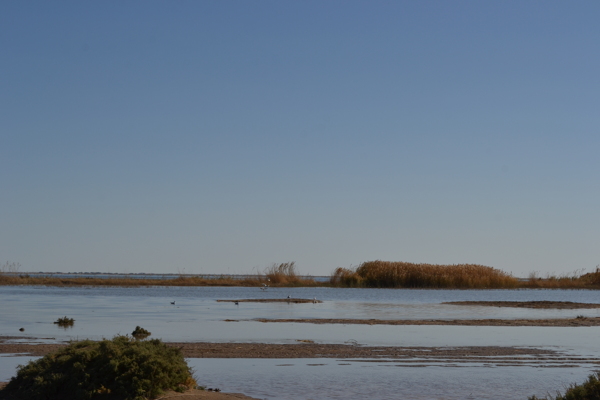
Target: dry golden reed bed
{"x": 390, "y": 274}
{"x": 371, "y": 274}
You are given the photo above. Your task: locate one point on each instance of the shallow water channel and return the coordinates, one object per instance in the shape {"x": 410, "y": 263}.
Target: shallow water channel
{"x": 197, "y": 316}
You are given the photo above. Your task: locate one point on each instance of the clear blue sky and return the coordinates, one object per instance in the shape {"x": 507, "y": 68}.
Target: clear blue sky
{"x": 224, "y": 136}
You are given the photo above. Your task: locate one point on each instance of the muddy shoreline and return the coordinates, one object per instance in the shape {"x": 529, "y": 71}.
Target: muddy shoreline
{"x": 304, "y": 349}
{"x": 558, "y": 305}
{"x": 497, "y": 356}
{"x": 558, "y": 322}
{"x": 286, "y": 300}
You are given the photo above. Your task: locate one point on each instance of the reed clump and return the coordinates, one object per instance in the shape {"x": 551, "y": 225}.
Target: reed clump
{"x": 575, "y": 280}
{"x": 389, "y": 274}
{"x": 282, "y": 274}
{"x": 140, "y": 333}
{"x": 65, "y": 321}
{"x": 10, "y": 267}
{"x": 122, "y": 368}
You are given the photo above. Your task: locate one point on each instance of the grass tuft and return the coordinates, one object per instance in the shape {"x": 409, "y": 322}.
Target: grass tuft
{"x": 64, "y": 321}
{"x": 140, "y": 333}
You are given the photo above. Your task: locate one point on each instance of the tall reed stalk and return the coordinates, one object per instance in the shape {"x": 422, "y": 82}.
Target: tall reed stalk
{"x": 283, "y": 274}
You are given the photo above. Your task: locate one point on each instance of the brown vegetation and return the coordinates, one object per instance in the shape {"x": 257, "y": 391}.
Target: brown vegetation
{"x": 7, "y": 279}
{"x": 283, "y": 274}
{"x": 590, "y": 280}
{"x": 388, "y": 274}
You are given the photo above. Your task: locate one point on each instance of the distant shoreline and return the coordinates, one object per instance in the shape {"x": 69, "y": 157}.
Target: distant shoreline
{"x": 288, "y": 278}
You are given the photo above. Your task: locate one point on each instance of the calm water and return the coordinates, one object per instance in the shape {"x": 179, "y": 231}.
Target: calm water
{"x": 196, "y": 316}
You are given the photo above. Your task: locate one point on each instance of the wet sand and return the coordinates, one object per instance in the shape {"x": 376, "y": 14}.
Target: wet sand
{"x": 286, "y": 300}
{"x": 307, "y": 349}
{"x": 570, "y": 322}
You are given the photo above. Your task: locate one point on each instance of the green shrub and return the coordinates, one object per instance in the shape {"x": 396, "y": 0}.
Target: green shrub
{"x": 589, "y": 390}
{"x": 119, "y": 369}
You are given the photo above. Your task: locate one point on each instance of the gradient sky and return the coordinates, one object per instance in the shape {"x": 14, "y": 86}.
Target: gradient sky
{"x": 224, "y": 136}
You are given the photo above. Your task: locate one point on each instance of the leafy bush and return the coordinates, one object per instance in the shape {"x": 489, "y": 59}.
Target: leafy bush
{"x": 120, "y": 369}
{"x": 589, "y": 390}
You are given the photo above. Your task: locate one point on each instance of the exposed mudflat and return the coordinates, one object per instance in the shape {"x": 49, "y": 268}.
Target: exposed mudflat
{"x": 560, "y": 305}
{"x": 286, "y": 300}
{"x": 579, "y": 321}
{"x": 307, "y": 349}
{"x": 316, "y": 350}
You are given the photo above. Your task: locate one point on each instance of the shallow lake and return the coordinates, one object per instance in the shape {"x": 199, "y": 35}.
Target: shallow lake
{"x": 197, "y": 316}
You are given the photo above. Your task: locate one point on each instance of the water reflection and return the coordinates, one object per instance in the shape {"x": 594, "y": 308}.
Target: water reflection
{"x": 104, "y": 312}
{"x": 339, "y": 379}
